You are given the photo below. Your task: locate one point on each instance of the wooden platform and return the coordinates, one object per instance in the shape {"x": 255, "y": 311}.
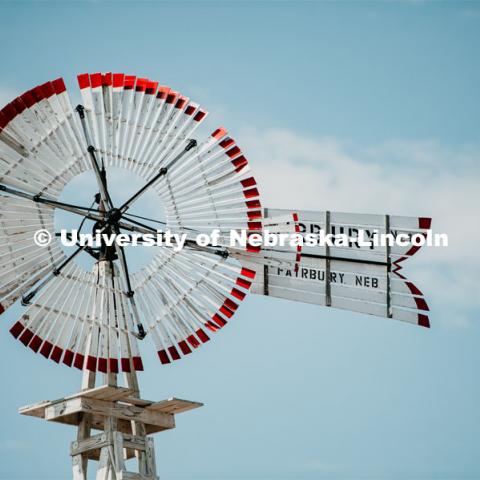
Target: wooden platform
{"x": 109, "y": 401}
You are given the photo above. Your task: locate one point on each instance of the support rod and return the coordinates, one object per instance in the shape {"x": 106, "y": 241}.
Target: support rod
{"x": 47, "y": 201}
{"x": 163, "y": 171}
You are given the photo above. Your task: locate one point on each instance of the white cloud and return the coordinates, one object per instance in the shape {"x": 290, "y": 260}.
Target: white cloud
{"x": 414, "y": 178}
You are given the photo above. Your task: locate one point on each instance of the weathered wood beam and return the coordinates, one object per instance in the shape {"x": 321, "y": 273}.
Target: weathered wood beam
{"x": 104, "y": 408}
{"x": 102, "y": 439}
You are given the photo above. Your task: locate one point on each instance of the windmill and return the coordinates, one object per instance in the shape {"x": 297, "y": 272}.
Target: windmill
{"x": 94, "y": 320}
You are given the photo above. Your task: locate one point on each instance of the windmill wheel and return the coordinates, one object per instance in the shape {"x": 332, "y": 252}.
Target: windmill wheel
{"x": 94, "y": 319}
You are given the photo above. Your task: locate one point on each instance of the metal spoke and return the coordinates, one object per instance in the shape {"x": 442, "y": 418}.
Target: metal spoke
{"x": 55, "y": 273}
{"x": 78, "y": 210}
{"x": 142, "y": 228}
{"x": 91, "y": 251}
{"x": 163, "y": 171}
{"x": 144, "y": 218}
{"x": 129, "y": 293}
{"x": 100, "y": 174}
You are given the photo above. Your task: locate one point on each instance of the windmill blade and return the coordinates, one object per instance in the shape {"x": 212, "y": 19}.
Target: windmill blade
{"x": 363, "y": 279}
{"x": 22, "y": 262}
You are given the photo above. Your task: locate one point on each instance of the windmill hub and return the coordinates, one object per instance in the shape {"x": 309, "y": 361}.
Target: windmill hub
{"x": 114, "y": 215}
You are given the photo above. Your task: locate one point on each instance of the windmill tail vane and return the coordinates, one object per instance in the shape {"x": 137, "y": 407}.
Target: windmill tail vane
{"x": 94, "y": 320}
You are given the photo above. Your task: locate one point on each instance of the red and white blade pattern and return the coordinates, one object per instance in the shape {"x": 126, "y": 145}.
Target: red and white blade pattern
{"x": 41, "y": 145}
{"x": 356, "y": 278}
{"x": 188, "y": 295}
{"x": 83, "y": 319}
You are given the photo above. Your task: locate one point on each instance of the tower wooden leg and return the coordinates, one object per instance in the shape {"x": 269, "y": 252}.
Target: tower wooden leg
{"x": 118, "y": 452}
{"x": 79, "y": 471}
{"x": 103, "y": 465}
{"x": 150, "y": 458}
{"x": 80, "y": 461}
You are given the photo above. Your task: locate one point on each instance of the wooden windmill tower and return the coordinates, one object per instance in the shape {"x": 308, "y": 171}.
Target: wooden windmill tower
{"x": 93, "y": 320}
{"x": 123, "y": 420}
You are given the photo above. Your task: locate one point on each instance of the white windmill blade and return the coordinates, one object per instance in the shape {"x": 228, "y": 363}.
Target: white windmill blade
{"x": 22, "y": 261}
{"x": 90, "y": 320}
{"x": 363, "y": 279}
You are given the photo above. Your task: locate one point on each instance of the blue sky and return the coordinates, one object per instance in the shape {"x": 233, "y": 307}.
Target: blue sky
{"x": 366, "y": 106}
